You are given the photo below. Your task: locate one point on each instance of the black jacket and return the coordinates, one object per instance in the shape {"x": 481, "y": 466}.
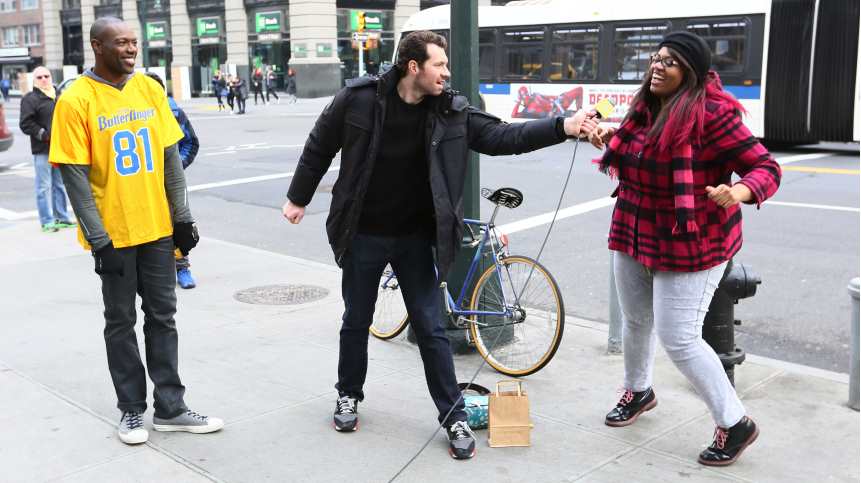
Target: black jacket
{"x": 37, "y": 110}
{"x": 352, "y": 123}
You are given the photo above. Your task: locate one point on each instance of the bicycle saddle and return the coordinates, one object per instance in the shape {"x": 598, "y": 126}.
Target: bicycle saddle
{"x": 507, "y": 197}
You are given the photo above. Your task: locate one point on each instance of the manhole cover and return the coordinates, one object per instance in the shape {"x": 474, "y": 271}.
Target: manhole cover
{"x": 281, "y": 294}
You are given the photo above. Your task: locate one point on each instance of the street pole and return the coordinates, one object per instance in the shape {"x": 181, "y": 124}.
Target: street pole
{"x": 463, "y": 52}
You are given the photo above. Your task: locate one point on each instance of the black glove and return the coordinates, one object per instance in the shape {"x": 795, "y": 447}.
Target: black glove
{"x": 185, "y": 237}
{"x": 108, "y": 260}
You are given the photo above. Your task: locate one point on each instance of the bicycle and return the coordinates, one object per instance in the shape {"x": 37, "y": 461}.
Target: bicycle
{"x": 534, "y": 317}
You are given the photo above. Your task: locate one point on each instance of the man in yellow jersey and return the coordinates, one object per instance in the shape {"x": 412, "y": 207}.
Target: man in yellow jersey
{"x": 114, "y": 138}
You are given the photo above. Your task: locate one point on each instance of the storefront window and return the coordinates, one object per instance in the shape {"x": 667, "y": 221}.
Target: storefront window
{"x": 379, "y": 51}
{"x": 269, "y": 41}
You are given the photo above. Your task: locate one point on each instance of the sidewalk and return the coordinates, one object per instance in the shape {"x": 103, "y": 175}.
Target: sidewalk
{"x": 268, "y": 370}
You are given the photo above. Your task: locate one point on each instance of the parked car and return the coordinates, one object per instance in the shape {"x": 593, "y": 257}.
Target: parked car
{"x": 6, "y": 137}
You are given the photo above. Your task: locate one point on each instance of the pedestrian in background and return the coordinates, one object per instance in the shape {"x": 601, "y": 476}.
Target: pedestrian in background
{"x": 257, "y": 85}
{"x": 188, "y": 147}
{"x": 5, "y": 85}
{"x": 230, "y": 95}
{"x": 37, "y": 111}
{"x": 676, "y": 224}
{"x": 291, "y": 85}
{"x": 240, "y": 93}
{"x": 270, "y": 85}
{"x": 128, "y": 189}
{"x": 219, "y": 87}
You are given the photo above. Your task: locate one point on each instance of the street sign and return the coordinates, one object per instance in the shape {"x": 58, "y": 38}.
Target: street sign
{"x": 362, "y": 20}
{"x": 361, "y": 36}
{"x": 267, "y": 21}
{"x": 208, "y": 27}
{"x": 373, "y": 21}
{"x": 156, "y": 30}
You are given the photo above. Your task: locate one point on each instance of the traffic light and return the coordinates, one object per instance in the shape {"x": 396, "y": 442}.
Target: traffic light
{"x": 360, "y": 21}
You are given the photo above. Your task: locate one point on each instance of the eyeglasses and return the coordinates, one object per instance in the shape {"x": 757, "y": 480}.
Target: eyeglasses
{"x": 668, "y": 62}
{"x": 43, "y": 77}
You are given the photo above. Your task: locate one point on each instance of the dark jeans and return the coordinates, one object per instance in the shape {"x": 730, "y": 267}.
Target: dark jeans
{"x": 149, "y": 272}
{"x": 412, "y": 260}
{"x": 271, "y": 92}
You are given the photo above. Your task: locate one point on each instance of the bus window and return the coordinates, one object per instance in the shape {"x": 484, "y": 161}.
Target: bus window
{"x": 523, "y": 50}
{"x": 574, "y": 54}
{"x": 633, "y": 45}
{"x": 726, "y": 38}
{"x": 486, "y": 54}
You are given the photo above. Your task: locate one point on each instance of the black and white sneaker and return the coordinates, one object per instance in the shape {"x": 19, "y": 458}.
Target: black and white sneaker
{"x": 346, "y": 414}
{"x": 461, "y": 441}
{"x": 131, "y": 428}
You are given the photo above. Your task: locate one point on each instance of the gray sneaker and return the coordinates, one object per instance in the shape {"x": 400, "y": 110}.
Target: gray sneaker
{"x": 188, "y": 421}
{"x": 131, "y": 429}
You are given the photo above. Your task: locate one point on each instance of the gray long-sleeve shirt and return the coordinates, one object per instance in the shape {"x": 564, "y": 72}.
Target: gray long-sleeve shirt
{"x": 77, "y": 180}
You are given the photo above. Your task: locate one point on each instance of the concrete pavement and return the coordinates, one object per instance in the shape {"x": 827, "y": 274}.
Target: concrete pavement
{"x": 268, "y": 370}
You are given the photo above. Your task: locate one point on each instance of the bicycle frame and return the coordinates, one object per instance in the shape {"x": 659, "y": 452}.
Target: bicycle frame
{"x": 488, "y": 235}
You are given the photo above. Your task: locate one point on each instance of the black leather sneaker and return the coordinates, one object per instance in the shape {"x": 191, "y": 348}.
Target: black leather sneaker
{"x": 346, "y": 414}
{"x": 729, "y": 443}
{"x": 630, "y": 406}
{"x": 461, "y": 441}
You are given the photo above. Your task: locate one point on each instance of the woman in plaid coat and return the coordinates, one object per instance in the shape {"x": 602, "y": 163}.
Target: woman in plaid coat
{"x": 676, "y": 223}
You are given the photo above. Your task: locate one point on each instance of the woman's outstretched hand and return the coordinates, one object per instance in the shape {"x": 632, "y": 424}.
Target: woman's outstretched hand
{"x": 726, "y": 196}
{"x": 601, "y": 136}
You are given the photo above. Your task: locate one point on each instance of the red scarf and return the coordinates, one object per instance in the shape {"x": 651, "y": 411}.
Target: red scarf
{"x": 677, "y": 140}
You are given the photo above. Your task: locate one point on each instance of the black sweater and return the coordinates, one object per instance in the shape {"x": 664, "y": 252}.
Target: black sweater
{"x": 399, "y": 201}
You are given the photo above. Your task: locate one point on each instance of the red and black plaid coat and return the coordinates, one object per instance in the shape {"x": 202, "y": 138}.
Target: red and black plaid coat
{"x": 646, "y": 219}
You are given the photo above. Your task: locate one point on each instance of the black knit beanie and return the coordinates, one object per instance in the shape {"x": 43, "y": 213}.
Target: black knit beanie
{"x": 692, "y": 48}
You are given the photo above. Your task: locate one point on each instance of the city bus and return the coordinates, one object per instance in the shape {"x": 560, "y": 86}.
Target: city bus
{"x": 792, "y": 64}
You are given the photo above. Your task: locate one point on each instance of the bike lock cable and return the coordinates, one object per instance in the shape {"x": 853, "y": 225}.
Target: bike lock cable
{"x": 490, "y": 349}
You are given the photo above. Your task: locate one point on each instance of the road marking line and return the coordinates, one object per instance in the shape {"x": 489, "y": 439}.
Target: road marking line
{"x": 809, "y": 205}
{"x": 253, "y": 179}
{"x": 17, "y": 215}
{"x": 252, "y": 147}
{"x": 801, "y": 157}
{"x": 546, "y": 218}
{"x": 264, "y": 116}
{"x": 811, "y": 169}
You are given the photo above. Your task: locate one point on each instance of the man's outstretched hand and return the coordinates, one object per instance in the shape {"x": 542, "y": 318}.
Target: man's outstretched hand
{"x": 293, "y": 213}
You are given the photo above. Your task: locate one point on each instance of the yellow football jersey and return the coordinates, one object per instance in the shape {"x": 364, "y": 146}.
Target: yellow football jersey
{"x": 121, "y": 134}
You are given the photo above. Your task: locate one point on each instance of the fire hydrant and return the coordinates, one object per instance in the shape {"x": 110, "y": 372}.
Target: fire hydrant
{"x": 739, "y": 282}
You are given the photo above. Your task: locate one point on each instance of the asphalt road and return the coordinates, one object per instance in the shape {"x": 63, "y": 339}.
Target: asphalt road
{"x": 805, "y": 245}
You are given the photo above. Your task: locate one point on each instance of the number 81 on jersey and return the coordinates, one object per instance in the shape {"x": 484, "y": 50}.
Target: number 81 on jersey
{"x": 126, "y": 159}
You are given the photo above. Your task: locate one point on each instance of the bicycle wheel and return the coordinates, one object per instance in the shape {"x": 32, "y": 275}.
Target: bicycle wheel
{"x": 528, "y": 336}
{"x": 390, "y": 313}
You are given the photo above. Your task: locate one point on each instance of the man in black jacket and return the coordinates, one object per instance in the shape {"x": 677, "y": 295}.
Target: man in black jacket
{"x": 404, "y": 139}
{"x": 37, "y": 110}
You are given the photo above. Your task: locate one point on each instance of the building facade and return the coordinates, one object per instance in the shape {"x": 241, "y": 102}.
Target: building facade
{"x": 187, "y": 41}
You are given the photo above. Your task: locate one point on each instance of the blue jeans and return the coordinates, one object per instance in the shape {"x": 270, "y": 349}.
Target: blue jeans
{"x": 49, "y": 183}
{"x": 412, "y": 260}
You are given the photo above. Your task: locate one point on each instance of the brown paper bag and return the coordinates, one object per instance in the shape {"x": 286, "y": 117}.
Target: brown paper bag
{"x": 509, "y": 416}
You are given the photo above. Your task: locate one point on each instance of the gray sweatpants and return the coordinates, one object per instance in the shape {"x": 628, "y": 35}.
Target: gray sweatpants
{"x": 671, "y": 307}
